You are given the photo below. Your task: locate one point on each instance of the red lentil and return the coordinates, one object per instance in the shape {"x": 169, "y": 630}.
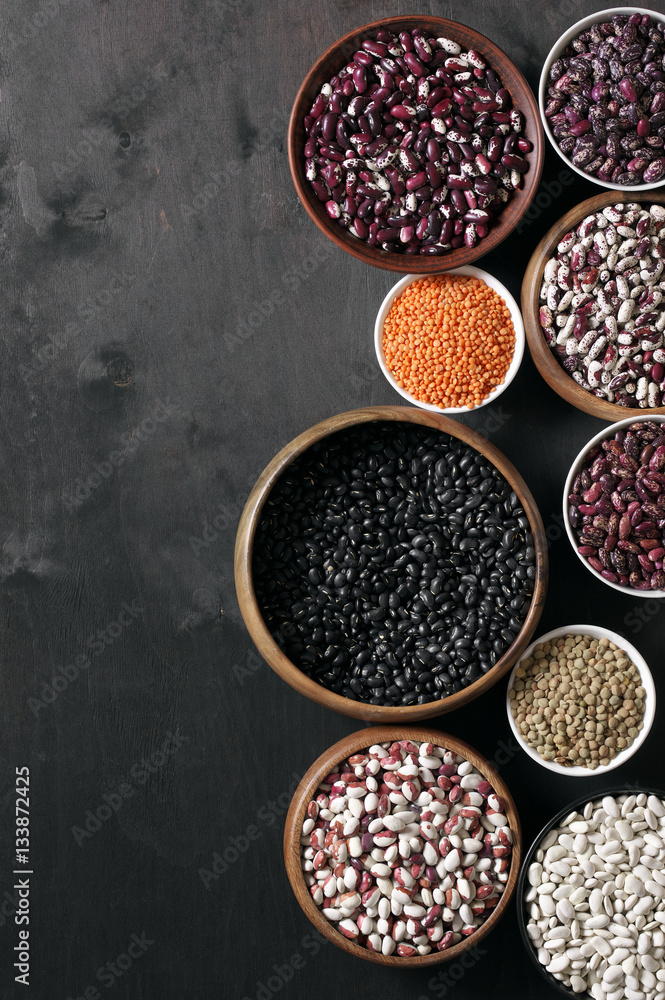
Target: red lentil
{"x": 449, "y": 340}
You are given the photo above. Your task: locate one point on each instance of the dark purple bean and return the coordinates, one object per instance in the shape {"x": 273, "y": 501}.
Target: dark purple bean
{"x": 321, "y": 190}
{"x": 406, "y": 41}
{"x": 377, "y": 146}
{"x": 434, "y": 224}
{"x": 403, "y": 112}
{"x": 484, "y": 186}
{"x": 421, "y": 229}
{"x": 370, "y": 191}
{"x": 447, "y": 231}
{"x": 434, "y": 175}
{"x": 362, "y": 59}
{"x": 416, "y": 181}
{"x": 494, "y": 149}
{"x": 396, "y": 180}
{"x": 454, "y": 152}
{"x": 375, "y": 48}
{"x": 477, "y": 215}
{"x": 360, "y": 79}
{"x": 389, "y": 235}
{"x": 422, "y": 48}
{"x": 514, "y": 162}
{"x": 414, "y": 64}
{"x": 459, "y": 182}
{"x": 458, "y": 200}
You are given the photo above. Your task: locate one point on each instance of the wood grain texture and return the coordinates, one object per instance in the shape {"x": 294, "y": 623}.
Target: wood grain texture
{"x": 251, "y": 612}
{"x": 543, "y": 358}
{"x": 329, "y": 64}
{"x": 306, "y": 790}
{"x": 205, "y": 286}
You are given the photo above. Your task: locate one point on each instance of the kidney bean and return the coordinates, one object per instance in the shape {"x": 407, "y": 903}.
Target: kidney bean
{"x": 626, "y": 331}
{"x": 432, "y": 889}
{"x": 639, "y": 532}
{"x": 610, "y": 102}
{"x": 461, "y": 107}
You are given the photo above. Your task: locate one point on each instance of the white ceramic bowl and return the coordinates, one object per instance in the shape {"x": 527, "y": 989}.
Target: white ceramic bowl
{"x": 515, "y": 315}
{"x": 604, "y": 435}
{"x": 554, "y": 53}
{"x": 647, "y": 683}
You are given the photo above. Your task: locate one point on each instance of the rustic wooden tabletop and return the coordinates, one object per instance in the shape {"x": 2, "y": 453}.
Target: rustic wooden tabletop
{"x": 170, "y": 319}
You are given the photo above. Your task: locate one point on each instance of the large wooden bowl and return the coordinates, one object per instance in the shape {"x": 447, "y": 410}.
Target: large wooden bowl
{"x": 269, "y": 649}
{"x": 340, "y": 53}
{"x": 544, "y": 360}
{"x": 306, "y": 791}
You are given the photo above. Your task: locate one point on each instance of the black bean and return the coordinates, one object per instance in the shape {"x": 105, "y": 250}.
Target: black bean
{"x": 400, "y": 560}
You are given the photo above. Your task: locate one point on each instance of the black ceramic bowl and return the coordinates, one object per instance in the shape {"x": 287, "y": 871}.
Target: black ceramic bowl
{"x": 577, "y": 805}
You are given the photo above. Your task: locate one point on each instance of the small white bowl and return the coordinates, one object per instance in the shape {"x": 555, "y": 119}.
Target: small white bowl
{"x": 604, "y": 435}
{"x": 515, "y": 315}
{"x": 596, "y": 632}
{"x": 557, "y": 50}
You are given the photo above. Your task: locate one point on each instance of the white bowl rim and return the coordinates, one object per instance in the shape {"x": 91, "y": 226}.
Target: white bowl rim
{"x": 554, "y": 53}
{"x": 646, "y": 678}
{"x": 603, "y": 435}
{"x": 515, "y": 314}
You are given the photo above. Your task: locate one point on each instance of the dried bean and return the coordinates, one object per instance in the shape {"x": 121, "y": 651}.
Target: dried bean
{"x": 408, "y": 101}
{"x": 613, "y": 96}
{"x": 603, "y": 934}
{"x": 433, "y": 868}
{"x": 614, "y": 322}
{"x": 383, "y": 568}
{"x": 640, "y": 502}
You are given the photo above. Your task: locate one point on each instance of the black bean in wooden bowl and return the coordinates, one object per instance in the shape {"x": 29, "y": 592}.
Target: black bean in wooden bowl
{"x": 391, "y": 564}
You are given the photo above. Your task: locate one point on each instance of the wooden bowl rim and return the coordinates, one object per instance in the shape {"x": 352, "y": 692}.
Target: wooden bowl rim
{"x": 542, "y": 356}
{"x": 253, "y": 618}
{"x": 323, "y": 765}
{"x": 420, "y": 264}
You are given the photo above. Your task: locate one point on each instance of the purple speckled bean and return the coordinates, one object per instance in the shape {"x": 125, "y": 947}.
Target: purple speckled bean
{"x": 611, "y": 92}
{"x": 629, "y": 544}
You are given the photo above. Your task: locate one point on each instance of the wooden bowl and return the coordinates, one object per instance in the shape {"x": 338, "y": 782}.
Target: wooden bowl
{"x": 544, "y": 360}
{"x": 269, "y": 649}
{"x": 340, "y": 53}
{"x": 305, "y": 792}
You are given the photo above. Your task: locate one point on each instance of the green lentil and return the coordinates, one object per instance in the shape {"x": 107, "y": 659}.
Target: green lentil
{"x": 578, "y": 701}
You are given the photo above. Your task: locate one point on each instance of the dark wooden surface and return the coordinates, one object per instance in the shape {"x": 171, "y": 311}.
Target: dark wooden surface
{"x": 171, "y": 318}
